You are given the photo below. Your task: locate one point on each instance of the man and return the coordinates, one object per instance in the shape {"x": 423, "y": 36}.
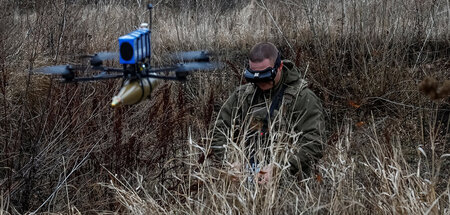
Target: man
{"x": 275, "y": 102}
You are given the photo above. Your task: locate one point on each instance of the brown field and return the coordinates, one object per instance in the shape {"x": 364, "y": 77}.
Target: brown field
{"x": 64, "y": 150}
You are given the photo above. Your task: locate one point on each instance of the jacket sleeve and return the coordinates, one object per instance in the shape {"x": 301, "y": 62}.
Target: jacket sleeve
{"x": 310, "y": 125}
{"x": 222, "y": 127}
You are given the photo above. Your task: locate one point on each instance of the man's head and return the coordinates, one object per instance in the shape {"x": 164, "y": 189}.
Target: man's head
{"x": 264, "y": 66}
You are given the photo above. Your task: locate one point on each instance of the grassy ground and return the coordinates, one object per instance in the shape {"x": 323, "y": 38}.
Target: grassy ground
{"x": 64, "y": 150}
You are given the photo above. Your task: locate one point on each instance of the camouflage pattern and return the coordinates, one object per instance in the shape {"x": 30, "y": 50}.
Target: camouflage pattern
{"x": 300, "y": 113}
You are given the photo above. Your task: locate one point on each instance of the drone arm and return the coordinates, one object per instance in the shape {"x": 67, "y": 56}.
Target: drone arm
{"x": 170, "y": 78}
{"x": 165, "y": 69}
{"x": 95, "y": 78}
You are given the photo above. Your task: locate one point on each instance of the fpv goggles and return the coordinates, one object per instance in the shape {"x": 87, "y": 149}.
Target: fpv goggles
{"x": 265, "y": 75}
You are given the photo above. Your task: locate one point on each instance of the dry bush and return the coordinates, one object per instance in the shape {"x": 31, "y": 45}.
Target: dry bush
{"x": 62, "y": 143}
{"x": 378, "y": 181}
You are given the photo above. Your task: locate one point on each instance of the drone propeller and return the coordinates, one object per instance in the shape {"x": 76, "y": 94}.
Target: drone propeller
{"x": 97, "y": 59}
{"x": 54, "y": 70}
{"x": 182, "y": 70}
{"x": 202, "y": 56}
{"x": 193, "y": 66}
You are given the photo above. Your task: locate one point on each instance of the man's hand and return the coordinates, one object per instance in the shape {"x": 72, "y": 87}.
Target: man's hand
{"x": 264, "y": 176}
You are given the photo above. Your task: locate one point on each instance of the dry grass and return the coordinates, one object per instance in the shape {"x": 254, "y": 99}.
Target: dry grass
{"x": 379, "y": 182}
{"x": 65, "y": 151}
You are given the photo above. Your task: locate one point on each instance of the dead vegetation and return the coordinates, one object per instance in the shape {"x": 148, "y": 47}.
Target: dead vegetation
{"x": 64, "y": 150}
{"x": 430, "y": 86}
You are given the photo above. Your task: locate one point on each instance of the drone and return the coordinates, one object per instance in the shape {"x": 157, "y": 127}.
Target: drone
{"x": 138, "y": 77}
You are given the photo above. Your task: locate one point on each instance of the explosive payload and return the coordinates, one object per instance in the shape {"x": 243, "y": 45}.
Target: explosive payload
{"x": 133, "y": 92}
{"x": 138, "y": 77}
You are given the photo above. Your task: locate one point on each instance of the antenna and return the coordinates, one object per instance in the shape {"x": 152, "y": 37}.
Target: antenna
{"x": 150, "y": 7}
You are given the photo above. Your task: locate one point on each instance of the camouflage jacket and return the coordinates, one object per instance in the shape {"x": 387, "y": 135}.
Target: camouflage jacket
{"x": 300, "y": 115}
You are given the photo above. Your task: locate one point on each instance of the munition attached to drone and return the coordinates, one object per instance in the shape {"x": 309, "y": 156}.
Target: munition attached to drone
{"x": 134, "y": 91}
{"x": 138, "y": 77}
